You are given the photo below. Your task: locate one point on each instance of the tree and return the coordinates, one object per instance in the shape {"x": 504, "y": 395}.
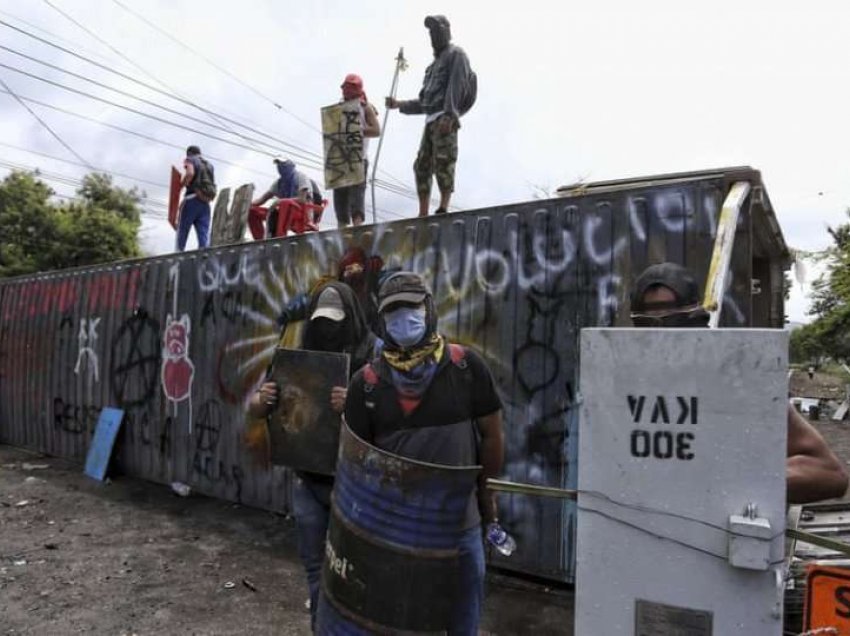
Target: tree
{"x": 829, "y": 334}
{"x": 37, "y": 234}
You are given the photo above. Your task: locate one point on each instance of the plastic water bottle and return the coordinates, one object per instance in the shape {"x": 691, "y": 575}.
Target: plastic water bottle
{"x": 499, "y": 538}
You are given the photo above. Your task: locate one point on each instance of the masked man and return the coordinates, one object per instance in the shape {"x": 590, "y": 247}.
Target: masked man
{"x": 429, "y": 400}
{"x": 667, "y": 295}
{"x": 448, "y": 91}
{"x": 336, "y": 323}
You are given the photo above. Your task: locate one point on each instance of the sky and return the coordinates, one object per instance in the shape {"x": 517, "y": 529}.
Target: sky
{"x": 568, "y": 91}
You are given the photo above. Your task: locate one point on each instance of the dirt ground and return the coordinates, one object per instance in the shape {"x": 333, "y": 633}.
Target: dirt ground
{"x": 129, "y": 557}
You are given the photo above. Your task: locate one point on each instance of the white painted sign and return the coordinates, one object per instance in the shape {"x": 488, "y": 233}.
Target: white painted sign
{"x": 681, "y": 465}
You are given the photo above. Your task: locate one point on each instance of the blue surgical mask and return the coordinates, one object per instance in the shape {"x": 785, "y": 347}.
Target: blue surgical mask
{"x": 406, "y": 325}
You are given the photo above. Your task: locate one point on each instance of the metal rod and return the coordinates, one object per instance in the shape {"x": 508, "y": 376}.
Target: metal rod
{"x": 816, "y": 539}
{"x": 531, "y": 489}
{"x": 399, "y": 64}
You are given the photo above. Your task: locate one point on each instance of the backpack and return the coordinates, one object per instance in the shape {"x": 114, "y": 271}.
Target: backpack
{"x": 205, "y": 188}
{"x": 470, "y": 93}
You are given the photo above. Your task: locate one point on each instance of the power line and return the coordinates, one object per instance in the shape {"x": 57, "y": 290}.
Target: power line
{"x": 67, "y": 180}
{"x": 42, "y": 122}
{"x": 154, "y": 139}
{"x": 82, "y": 165}
{"x": 143, "y": 100}
{"x": 216, "y": 66}
{"x": 171, "y": 95}
{"x": 114, "y": 50}
{"x": 141, "y": 113}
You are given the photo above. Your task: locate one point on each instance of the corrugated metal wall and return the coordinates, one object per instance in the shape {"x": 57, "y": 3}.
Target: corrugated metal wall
{"x": 517, "y": 283}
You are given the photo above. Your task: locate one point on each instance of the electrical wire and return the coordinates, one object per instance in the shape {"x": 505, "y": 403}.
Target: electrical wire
{"x": 42, "y": 122}
{"x": 684, "y": 544}
{"x": 171, "y": 95}
{"x": 149, "y": 102}
{"x": 216, "y": 66}
{"x": 141, "y": 113}
{"x": 147, "y": 137}
{"x": 111, "y": 173}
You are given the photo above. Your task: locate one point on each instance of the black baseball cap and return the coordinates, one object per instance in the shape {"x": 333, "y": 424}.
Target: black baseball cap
{"x": 671, "y": 275}
{"x": 402, "y": 287}
{"x": 437, "y": 20}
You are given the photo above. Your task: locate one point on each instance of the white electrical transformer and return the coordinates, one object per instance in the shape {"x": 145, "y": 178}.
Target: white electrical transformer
{"x": 681, "y": 477}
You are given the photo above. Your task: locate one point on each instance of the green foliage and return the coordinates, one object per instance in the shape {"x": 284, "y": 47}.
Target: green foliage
{"x": 829, "y": 335}
{"x": 37, "y": 234}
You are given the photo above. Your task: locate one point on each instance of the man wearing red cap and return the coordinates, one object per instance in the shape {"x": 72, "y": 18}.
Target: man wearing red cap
{"x": 448, "y": 92}
{"x": 350, "y": 201}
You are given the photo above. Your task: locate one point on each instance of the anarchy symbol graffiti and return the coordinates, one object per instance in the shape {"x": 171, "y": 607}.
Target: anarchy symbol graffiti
{"x": 136, "y": 358}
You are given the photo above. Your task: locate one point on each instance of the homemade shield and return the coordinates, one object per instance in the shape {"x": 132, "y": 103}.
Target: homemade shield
{"x": 303, "y": 429}
{"x": 343, "y": 137}
{"x": 391, "y": 555}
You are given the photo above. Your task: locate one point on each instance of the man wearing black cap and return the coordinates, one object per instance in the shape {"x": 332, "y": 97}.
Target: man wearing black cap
{"x": 199, "y": 181}
{"x": 667, "y": 295}
{"x": 429, "y": 400}
{"x": 337, "y": 323}
{"x": 448, "y": 91}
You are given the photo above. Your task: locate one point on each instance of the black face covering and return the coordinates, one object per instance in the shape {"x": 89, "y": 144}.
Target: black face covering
{"x": 327, "y": 335}
{"x": 694, "y": 318}
{"x": 440, "y": 37}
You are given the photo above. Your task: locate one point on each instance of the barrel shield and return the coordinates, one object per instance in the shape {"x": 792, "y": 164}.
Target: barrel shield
{"x": 392, "y": 550}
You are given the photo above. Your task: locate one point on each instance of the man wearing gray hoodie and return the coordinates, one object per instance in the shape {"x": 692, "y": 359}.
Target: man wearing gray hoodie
{"x": 448, "y": 91}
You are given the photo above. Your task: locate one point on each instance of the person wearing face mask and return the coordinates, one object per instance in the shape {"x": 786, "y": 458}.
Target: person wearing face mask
{"x": 336, "y": 323}
{"x": 667, "y": 295}
{"x": 350, "y": 201}
{"x": 430, "y": 400}
{"x": 290, "y": 184}
{"x": 448, "y": 92}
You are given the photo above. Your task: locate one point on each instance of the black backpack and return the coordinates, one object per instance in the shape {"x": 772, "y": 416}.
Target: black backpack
{"x": 470, "y": 93}
{"x": 205, "y": 188}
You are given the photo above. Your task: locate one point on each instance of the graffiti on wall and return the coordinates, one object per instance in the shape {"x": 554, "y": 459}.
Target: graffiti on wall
{"x": 517, "y": 285}
{"x": 87, "y": 355}
{"x": 343, "y": 137}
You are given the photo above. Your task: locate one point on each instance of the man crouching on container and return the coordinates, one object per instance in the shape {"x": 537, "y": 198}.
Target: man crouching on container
{"x": 432, "y": 401}
{"x": 667, "y": 295}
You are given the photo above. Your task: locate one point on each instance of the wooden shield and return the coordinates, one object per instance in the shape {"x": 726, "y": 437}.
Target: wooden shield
{"x": 303, "y": 429}
{"x": 343, "y": 137}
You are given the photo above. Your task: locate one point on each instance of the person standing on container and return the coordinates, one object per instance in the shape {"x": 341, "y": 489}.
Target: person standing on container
{"x": 199, "y": 181}
{"x": 350, "y": 201}
{"x": 427, "y": 399}
{"x": 448, "y": 92}
{"x": 667, "y": 295}
{"x": 337, "y": 323}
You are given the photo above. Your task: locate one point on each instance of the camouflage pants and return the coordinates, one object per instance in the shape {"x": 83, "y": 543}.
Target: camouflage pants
{"x": 437, "y": 157}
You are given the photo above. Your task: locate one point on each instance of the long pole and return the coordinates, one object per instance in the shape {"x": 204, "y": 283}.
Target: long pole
{"x": 400, "y": 63}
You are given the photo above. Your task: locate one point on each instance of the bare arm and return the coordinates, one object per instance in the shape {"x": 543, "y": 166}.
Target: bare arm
{"x": 264, "y": 400}
{"x": 373, "y": 128}
{"x": 189, "y": 173}
{"x": 812, "y": 469}
{"x": 263, "y": 198}
{"x": 492, "y": 453}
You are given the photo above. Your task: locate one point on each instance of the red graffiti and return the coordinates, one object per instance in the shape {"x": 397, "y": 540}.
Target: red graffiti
{"x": 178, "y": 370}
{"x": 105, "y": 290}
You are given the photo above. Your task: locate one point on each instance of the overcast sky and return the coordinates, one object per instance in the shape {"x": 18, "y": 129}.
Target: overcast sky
{"x": 567, "y": 91}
